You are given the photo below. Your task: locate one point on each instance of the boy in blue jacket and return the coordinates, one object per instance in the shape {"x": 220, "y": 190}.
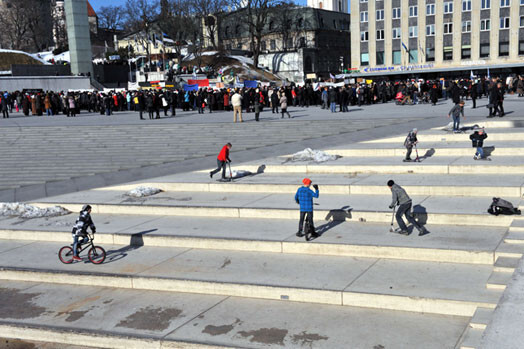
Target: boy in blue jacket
{"x": 304, "y": 197}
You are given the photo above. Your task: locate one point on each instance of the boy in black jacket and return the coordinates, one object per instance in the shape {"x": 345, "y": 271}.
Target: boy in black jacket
{"x": 477, "y": 140}
{"x": 83, "y": 222}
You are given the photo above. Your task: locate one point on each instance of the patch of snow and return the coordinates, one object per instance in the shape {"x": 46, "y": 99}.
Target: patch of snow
{"x": 29, "y": 211}
{"x": 240, "y": 173}
{"x": 244, "y": 60}
{"x": 209, "y": 53}
{"x": 309, "y": 154}
{"x": 141, "y": 191}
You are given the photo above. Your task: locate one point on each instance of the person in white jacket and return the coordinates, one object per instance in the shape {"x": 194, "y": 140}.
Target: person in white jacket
{"x": 236, "y": 101}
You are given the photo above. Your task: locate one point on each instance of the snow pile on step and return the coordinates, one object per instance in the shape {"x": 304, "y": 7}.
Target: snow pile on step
{"x": 29, "y": 211}
{"x": 140, "y": 192}
{"x": 309, "y": 154}
{"x": 240, "y": 173}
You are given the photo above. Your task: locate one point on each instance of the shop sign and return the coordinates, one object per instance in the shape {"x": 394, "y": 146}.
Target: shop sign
{"x": 415, "y": 67}
{"x": 377, "y": 69}
{"x": 481, "y": 62}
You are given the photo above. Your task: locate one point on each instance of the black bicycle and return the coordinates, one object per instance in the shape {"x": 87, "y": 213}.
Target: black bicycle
{"x": 96, "y": 254}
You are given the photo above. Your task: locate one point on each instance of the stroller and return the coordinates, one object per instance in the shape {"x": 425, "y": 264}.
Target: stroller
{"x": 501, "y": 206}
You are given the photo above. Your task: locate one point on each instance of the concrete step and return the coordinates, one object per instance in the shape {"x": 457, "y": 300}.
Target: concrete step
{"x": 498, "y": 124}
{"x": 452, "y": 244}
{"x": 362, "y": 184}
{"x": 509, "y": 250}
{"x": 497, "y": 134}
{"x": 481, "y": 318}
{"x": 389, "y": 165}
{"x": 472, "y": 339}
{"x": 499, "y": 280}
{"x": 430, "y": 210}
{"x": 123, "y": 318}
{"x": 428, "y": 287}
{"x": 514, "y": 237}
{"x": 506, "y": 264}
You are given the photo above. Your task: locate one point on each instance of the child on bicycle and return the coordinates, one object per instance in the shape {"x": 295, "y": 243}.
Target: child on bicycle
{"x": 83, "y": 222}
{"x": 304, "y": 197}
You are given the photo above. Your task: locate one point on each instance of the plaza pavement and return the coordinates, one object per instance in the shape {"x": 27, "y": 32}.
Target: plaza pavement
{"x": 206, "y": 264}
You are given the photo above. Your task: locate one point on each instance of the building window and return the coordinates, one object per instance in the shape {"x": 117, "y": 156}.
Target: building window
{"x": 273, "y": 45}
{"x": 466, "y": 26}
{"x": 380, "y": 34}
{"x": 504, "y": 22}
{"x": 364, "y": 36}
{"x": 466, "y": 5}
{"x": 263, "y": 45}
{"x": 485, "y": 4}
{"x": 521, "y": 21}
{"x": 430, "y": 54}
{"x": 380, "y": 57}
{"x": 448, "y": 28}
{"x": 413, "y": 11}
{"x": 522, "y": 2}
{"x": 271, "y": 25}
{"x": 413, "y": 32}
{"x": 504, "y": 3}
{"x": 521, "y": 45}
{"x": 448, "y": 53}
{"x": 396, "y": 33}
{"x": 466, "y": 53}
{"x": 302, "y": 42}
{"x": 396, "y": 13}
{"x": 485, "y": 24}
{"x": 448, "y": 7}
{"x": 484, "y": 50}
{"x": 430, "y": 30}
{"x": 364, "y": 16}
{"x": 397, "y": 57}
{"x": 413, "y": 56}
{"x": 380, "y": 15}
{"x": 504, "y": 49}
{"x": 430, "y": 9}
{"x": 364, "y": 59}
{"x": 363, "y": 0}
{"x": 300, "y": 23}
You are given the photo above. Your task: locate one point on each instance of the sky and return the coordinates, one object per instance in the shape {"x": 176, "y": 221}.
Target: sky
{"x": 99, "y": 3}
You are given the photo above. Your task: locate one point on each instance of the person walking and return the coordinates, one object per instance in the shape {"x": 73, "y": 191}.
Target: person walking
{"x": 477, "y": 139}
{"x": 410, "y": 141}
{"x": 4, "y": 107}
{"x": 236, "y": 101}
{"x": 304, "y": 197}
{"x": 283, "y": 106}
{"x": 222, "y": 160}
{"x": 274, "y": 101}
{"x": 456, "y": 112}
{"x": 401, "y": 198}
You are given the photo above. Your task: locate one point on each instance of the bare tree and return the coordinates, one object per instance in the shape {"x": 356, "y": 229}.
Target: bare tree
{"x": 26, "y": 25}
{"x": 177, "y": 21}
{"x": 207, "y": 11}
{"x": 140, "y": 17}
{"x": 257, "y": 16}
{"x": 111, "y": 17}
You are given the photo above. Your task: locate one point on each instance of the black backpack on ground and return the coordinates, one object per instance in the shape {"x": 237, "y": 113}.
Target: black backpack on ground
{"x": 501, "y": 206}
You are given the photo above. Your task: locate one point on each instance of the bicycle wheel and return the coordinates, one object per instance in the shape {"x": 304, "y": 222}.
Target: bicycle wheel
{"x": 97, "y": 255}
{"x": 66, "y": 255}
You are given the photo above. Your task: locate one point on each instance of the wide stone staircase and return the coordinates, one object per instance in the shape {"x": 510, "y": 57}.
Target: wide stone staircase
{"x": 207, "y": 264}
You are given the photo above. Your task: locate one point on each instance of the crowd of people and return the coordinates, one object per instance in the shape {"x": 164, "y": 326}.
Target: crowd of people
{"x": 335, "y": 98}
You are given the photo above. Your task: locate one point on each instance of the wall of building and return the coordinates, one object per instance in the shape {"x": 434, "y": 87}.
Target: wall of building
{"x": 462, "y": 46}
{"x": 46, "y": 83}
{"x": 289, "y": 65}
